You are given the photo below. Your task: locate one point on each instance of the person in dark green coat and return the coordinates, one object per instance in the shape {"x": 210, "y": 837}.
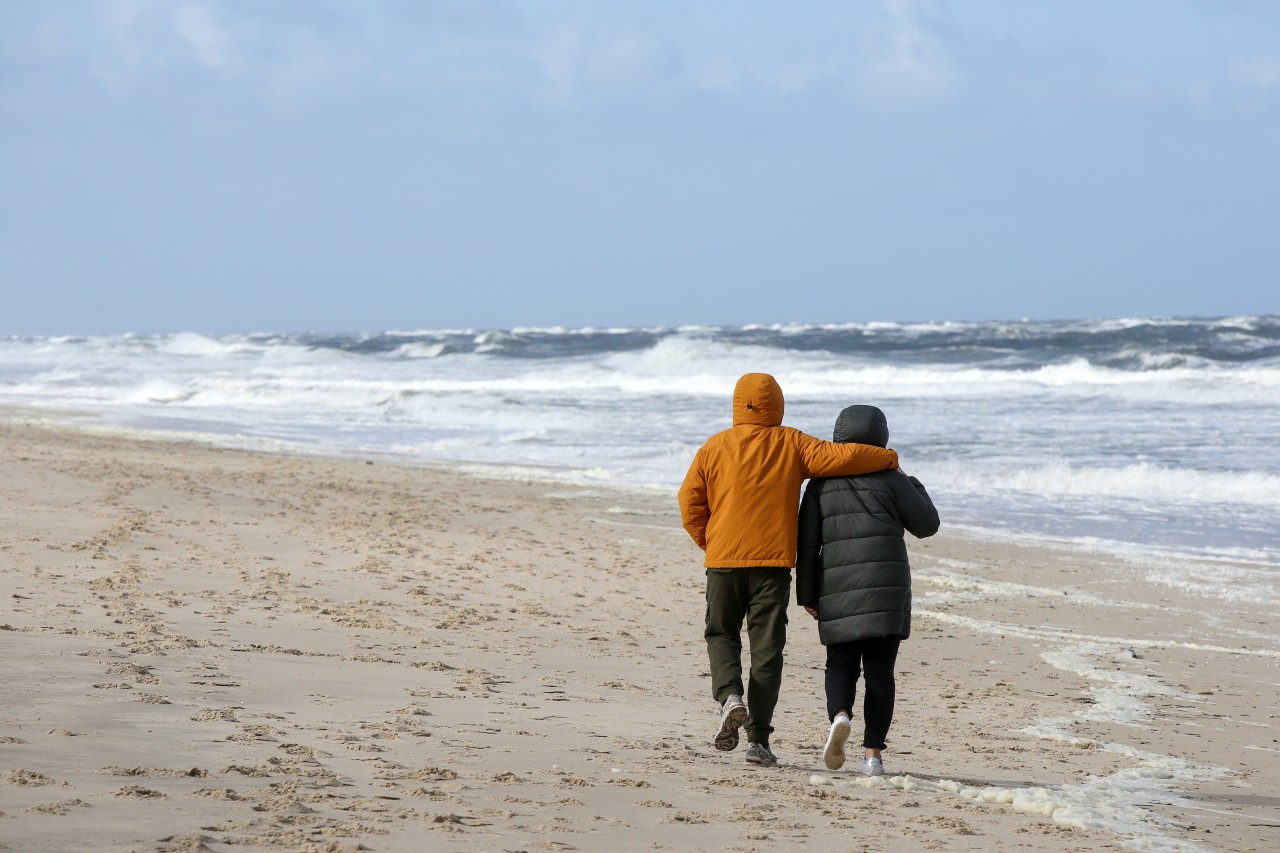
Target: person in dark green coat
{"x": 853, "y": 576}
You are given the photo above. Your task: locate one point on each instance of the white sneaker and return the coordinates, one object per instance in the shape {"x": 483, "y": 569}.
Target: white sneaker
{"x": 873, "y": 767}
{"x": 732, "y": 716}
{"x": 833, "y": 755}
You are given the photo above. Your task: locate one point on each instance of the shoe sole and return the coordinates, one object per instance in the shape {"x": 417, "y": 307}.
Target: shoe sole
{"x": 760, "y": 763}
{"x": 833, "y": 755}
{"x": 727, "y": 739}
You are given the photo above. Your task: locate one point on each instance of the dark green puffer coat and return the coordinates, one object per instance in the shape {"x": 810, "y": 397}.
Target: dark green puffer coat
{"x": 851, "y": 562}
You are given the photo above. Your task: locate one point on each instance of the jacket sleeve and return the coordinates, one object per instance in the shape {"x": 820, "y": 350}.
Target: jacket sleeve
{"x": 694, "y": 512}
{"x": 915, "y": 507}
{"x": 828, "y": 459}
{"x": 809, "y": 548}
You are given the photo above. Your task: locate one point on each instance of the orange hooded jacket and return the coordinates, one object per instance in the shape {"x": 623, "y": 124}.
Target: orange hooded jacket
{"x": 740, "y": 498}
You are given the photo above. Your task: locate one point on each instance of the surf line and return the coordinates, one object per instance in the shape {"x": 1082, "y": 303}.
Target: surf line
{"x": 1119, "y": 803}
{"x": 611, "y": 523}
{"x": 1095, "y": 804}
{"x": 1026, "y": 632}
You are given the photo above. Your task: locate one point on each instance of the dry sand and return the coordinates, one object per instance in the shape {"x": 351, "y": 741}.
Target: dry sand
{"x": 209, "y": 649}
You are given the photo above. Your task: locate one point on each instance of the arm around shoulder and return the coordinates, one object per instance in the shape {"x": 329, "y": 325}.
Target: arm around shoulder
{"x": 829, "y": 459}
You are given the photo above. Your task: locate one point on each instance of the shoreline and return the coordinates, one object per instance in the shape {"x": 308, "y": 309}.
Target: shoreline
{"x": 354, "y": 651}
{"x": 89, "y": 422}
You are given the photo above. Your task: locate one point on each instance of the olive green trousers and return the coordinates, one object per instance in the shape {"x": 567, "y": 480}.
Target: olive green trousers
{"x": 759, "y": 597}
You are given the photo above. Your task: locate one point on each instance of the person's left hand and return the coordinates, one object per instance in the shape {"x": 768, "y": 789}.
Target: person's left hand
{"x": 812, "y": 611}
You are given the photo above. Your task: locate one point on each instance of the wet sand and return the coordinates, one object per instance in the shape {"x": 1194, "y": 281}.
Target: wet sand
{"x": 210, "y": 649}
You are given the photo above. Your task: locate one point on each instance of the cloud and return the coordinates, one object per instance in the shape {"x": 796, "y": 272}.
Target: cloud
{"x": 119, "y": 21}
{"x": 1261, "y": 73}
{"x": 257, "y": 52}
{"x": 142, "y": 38}
{"x": 458, "y": 16}
{"x": 557, "y": 55}
{"x": 194, "y": 23}
{"x": 633, "y": 58}
{"x": 717, "y": 75}
{"x": 573, "y": 60}
{"x": 910, "y": 58}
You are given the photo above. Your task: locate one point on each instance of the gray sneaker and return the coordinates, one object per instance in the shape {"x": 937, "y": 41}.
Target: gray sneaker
{"x": 759, "y": 755}
{"x": 732, "y": 716}
{"x": 873, "y": 767}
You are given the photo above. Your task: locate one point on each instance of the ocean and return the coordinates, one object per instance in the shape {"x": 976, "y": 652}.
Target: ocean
{"x": 1150, "y": 436}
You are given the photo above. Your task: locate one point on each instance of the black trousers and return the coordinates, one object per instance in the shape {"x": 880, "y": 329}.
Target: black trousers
{"x": 875, "y": 659}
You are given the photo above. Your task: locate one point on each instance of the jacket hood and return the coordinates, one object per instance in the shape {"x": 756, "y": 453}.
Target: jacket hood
{"x": 757, "y": 400}
{"x": 862, "y": 425}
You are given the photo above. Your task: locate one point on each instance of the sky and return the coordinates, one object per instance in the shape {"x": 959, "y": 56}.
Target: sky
{"x": 362, "y": 165}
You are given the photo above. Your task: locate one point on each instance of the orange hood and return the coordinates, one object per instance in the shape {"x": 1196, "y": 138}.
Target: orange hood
{"x": 757, "y": 400}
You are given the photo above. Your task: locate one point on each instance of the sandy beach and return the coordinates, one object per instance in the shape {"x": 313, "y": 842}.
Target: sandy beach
{"x": 213, "y": 649}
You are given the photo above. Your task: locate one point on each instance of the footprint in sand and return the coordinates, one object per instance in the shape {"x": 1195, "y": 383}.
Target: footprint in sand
{"x": 31, "y": 779}
{"x": 139, "y": 792}
{"x": 61, "y": 807}
{"x": 218, "y": 793}
{"x": 152, "y": 699}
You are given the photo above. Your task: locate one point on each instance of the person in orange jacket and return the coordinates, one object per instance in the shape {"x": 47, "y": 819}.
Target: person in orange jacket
{"x": 738, "y": 502}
